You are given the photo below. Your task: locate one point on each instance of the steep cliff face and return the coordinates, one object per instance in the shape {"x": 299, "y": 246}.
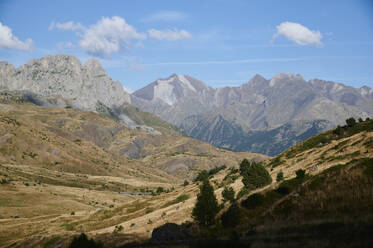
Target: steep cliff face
{"x": 64, "y": 76}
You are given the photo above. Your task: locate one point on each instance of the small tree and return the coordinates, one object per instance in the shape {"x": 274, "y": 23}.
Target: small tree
{"x": 186, "y": 183}
{"x": 360, "y": 120}
{"x": 231, "y": 217}
{"x": 351, "y": 122}
{"x": 206, "y": 207}
{"x": 245, "y": 164}
{"x": 280, "y": 176}
{"x": 254, "y": 175}
{"x": 202, "y": 175}
{"x": 160, "y": 190}
{"x": 300, "y": 173}
{"x": 228, "y": 194}
{"x": 338, "y": 131}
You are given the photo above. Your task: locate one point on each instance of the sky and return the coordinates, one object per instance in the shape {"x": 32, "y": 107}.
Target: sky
{"x": 223, "y": 43}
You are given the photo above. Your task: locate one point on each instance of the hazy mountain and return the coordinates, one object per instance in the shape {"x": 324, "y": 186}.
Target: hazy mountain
{"x": 261, "y": 115}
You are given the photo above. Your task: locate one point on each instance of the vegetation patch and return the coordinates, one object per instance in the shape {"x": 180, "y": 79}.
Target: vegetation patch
{"x": 180, "y": 198}
{"x": 253, "y": 201}
{"x": 254, "y": 175}
{"x": 276, "y": 162}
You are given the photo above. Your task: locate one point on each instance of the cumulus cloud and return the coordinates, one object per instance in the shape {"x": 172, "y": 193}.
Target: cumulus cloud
{"x": 168, "y": 16}
{"x": 113, "y": 34}
{"x": 66, "y": 26}
{"x": 109, "y": 35}
{"x": 9, "y": 41}
{"x": 298, "y": 33}
{"x": 168, "y": 34}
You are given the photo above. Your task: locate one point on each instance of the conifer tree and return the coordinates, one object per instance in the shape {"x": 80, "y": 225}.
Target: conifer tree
{"x": 206, "y": 207}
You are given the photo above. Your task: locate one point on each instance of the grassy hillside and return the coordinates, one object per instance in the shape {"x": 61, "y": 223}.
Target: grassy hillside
{"x": 64, "y": 171}
{"x": 331, "y": 205}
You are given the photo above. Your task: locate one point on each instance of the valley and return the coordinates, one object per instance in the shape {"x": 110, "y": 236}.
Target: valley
{"x": 121, "y": 170}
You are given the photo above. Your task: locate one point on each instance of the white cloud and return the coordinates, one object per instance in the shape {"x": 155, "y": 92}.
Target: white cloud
{"x": 298, "y": 33}
{"x": 109, "y": 35}
{"x": 9, "y": 41}
{"x": 66, "y": 26}
{"x": 167, "y": 16}
{"x": 169, "y": 34}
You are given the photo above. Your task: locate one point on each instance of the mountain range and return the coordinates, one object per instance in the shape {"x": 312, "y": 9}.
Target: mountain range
{"x": 262, "y": 116}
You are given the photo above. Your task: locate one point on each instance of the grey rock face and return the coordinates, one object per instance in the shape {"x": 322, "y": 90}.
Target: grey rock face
{"x": 64, "y": 76}
{"x": 174, "y": 98}
{"x": 286, "y": 107}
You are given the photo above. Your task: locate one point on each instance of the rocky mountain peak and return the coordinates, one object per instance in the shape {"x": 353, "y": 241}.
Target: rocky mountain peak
{"x": 94, "y": 66}
{"x": 64, "y": 76}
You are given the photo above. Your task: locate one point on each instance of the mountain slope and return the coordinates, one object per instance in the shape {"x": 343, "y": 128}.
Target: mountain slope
{"x": 286, "y": 105}
{"x": 333, "y": 166}
{"x": 62, "y": 81}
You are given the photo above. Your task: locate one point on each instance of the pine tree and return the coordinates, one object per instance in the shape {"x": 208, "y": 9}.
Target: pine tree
{"x": 206, "y": 207}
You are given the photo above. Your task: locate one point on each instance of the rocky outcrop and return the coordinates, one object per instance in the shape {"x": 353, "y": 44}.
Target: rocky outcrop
{"x": 64, "y": 76}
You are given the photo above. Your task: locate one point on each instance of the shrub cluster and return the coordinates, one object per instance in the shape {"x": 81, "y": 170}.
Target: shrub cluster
{"x": 254, "y": 175}
{"x": 204, "y": 174}
{"x": 228, "y": 194}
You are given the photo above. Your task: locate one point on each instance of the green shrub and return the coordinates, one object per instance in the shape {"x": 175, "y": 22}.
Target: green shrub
{"x": 160, "y": 190}
{"x": 276, "y": 162}
{"x": 231, "y": 217}
{"x": 202, "y": 175}
{"x": 280, "y": 176}
{"x": 180, "y": 198}
{"x": 118, "y": 228}
{"x": 215, "y": 170}
{"x": 338, "y": 131}
{"x": 186, "y": 183}
{"x": 300, "y": 173}
{"x": 254, "y": 175}
{"x": 228, "y": 194}
{"x": 253, "y": 201}
{"x": 350, "y": 122}
{"x": 244, "y": 191}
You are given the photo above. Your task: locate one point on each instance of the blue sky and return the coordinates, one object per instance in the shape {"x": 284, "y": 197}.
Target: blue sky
{"x": 219, "y": 42}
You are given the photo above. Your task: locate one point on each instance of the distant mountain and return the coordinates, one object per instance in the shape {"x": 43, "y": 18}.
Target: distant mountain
{"x": 62, "y": 81}
{"x": 265, "y": 116}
